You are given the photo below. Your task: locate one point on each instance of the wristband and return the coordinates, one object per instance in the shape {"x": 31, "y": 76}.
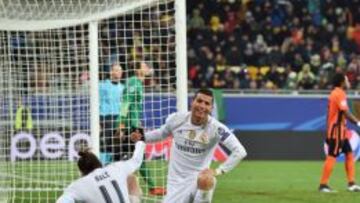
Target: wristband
{"x": 219, "y": 171}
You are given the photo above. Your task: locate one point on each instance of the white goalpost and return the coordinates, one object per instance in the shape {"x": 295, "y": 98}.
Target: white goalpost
{"x": 55, "y": 57}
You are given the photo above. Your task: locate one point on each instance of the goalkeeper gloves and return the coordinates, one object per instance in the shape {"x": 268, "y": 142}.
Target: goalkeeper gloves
{"x": 137, "y": 134}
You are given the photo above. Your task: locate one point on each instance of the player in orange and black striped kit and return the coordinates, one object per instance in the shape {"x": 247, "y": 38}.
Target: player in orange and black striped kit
{"x": 338, "y": 112}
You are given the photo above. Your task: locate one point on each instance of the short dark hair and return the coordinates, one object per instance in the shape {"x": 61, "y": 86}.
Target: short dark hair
{"x": 133, "y": 66}
{"x": 205, "y": 91}
{"x": 338, "y": 79}
{"x": 88, "y": 162}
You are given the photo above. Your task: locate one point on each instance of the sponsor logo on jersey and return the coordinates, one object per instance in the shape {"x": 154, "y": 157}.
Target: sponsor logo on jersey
{"x": 162, "y": 150}
{"x": 189, "y": 149}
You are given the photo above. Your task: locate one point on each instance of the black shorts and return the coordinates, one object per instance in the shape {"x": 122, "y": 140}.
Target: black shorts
{"x": 109, "y": 142}
{"x": 336, "y": 147}
{"x": 127, "y": 147}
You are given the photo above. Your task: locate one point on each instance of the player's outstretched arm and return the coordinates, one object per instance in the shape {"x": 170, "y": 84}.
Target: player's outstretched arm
{"x": 151, "y": 136}
{"x": 164, "y": 131}
{"x": 172, "y": 122}
{"x": 65, "y": 199}
{"x": 138, "y": 156}
{"x": 238, "y": 153}
{"x": 352, "y": 118}
{"x": 134, "y": 163}
{"x": 157, "y": 135}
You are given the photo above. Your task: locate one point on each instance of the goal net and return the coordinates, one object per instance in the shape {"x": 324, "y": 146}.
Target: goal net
{"x": 62, "y": 89}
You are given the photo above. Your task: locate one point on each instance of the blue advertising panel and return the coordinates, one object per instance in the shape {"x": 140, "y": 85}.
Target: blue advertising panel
{"x": 241, "y": 113}
{"x": 298, "y": 114}
{"x": 278, "y": 113}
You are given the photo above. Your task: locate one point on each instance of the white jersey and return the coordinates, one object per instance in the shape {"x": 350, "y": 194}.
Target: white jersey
{"x": 105, "y": 185}
{"x": 193, "y": 148}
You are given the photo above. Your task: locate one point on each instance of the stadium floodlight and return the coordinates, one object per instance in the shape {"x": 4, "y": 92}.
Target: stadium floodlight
{"x": 53, "y": 53}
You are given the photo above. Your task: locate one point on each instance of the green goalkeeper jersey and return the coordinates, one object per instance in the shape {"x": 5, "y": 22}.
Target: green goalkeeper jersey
{"x": 132, "y": 103}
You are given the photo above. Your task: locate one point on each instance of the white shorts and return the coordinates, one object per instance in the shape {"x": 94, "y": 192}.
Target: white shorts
{"x": 185, "y": 192}
{"x": 181, "y": 193}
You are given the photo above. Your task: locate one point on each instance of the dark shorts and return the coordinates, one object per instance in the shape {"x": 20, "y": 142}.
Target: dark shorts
{"x": 127, "y": 146}
{"x": 108, "y": 139}
{"x": 336, "y": 147}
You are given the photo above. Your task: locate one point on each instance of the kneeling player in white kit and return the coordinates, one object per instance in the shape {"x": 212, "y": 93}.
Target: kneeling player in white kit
{"x": 110, "y": 184}
{"x": 195, "y": 137}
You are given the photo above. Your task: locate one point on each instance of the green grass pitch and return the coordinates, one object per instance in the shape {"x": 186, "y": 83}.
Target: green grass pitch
{"x": 282, "y": 182}
{"x": 261, "y": 182}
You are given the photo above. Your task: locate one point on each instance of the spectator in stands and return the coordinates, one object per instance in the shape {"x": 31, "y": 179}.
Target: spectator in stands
{"x": 273, "y": 76}
{"x": 306, "y": 79}
{"x": 352, "y": 75}
{"x": 218, "y": 82}
{"x": 291, "y": 82}
{"x": 323, "y": 34}
{"x": 23, "y": 117}
{"x": 196, "y": 21}
{"x": 40, "y": 78}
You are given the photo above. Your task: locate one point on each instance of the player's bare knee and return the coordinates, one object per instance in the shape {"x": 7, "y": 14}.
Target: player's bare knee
{"x": 205, "y": 181}
{"x": 134, "y": 199}
{"x": 205, "y": 196}
{"x": 133, "y": 185}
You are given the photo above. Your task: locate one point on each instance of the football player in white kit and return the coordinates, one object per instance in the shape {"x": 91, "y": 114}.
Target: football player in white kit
{"x": 110, "y": 184}
{"x": 195, "y": 137}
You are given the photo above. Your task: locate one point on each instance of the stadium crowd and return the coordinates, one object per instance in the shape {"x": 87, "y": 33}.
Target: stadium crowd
{"x": 272, "y": 44}
{"x": 234, "y": 44}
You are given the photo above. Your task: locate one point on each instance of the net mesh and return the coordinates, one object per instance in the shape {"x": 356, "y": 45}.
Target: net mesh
{"x": 45, "y": 87}
{"x": 57, "y": 9}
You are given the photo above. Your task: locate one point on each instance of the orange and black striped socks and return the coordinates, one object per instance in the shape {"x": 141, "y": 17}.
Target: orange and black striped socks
{"x": 327, "y": 169}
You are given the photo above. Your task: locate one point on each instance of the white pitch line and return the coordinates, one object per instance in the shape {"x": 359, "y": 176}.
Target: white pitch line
{"x": 31, "y": 179}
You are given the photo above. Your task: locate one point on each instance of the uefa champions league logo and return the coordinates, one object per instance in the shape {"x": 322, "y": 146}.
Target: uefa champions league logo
{"x": 51, "y": 145}
{"x": 355, "y": 145}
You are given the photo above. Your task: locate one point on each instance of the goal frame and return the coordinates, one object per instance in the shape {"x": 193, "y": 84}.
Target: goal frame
{"x": 93, "y": 28}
